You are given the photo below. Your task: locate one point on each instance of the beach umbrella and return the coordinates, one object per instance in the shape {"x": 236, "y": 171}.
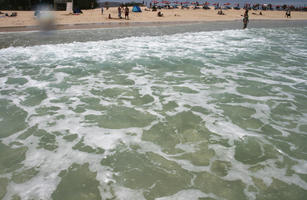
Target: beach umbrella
{"x": 166, "y": 2}
{"x": 214, "y": 4}
{"x": 226, "y": 4}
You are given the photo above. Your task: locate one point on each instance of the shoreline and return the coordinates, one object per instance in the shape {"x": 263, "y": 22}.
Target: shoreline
{"x": 95, "y": 25}
{"x": 86, "y": 33}
{"x": 102, "y": 25}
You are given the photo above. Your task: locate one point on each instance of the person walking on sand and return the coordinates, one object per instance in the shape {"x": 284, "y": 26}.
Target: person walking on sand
{"x": 126, "y": 12}
{"x": 245, "y": 19}
{"x": 119, "y": 12}
{"x": 288, "y": 13}
{"x": 101, "y": 10}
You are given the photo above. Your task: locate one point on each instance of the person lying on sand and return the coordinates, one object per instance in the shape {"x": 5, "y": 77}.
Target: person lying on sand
{"x": 256, "y": 13}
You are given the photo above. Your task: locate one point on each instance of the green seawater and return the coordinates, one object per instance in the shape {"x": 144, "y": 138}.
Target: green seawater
{"x": 192, "y": 115}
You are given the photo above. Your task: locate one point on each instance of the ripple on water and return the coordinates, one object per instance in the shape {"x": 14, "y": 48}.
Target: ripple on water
{"x": 12, "y": 118}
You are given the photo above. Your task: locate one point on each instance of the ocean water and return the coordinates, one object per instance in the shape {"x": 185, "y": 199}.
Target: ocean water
{"x": 187, "y": 115}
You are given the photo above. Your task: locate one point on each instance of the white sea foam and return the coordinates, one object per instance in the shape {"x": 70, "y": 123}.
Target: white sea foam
{"x": 210, "y": 64}
{"x": 127, "y": 194}
{"x": 189, "y": 194}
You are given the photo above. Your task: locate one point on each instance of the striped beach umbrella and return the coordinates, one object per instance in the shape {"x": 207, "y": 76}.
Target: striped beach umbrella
{"x": 166, "y": 2}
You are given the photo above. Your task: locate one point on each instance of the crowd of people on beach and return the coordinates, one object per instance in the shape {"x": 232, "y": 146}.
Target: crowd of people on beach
{"x": 156, "y": 6}
{"x": 225, "y": 6}
{"x": 120, "y": 9}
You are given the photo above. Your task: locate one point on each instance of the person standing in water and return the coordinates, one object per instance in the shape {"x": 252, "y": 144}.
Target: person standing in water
{"x": 245, "y": 19}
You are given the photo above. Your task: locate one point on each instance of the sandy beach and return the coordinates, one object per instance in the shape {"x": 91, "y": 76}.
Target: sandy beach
{"x": 26, "y": 20}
